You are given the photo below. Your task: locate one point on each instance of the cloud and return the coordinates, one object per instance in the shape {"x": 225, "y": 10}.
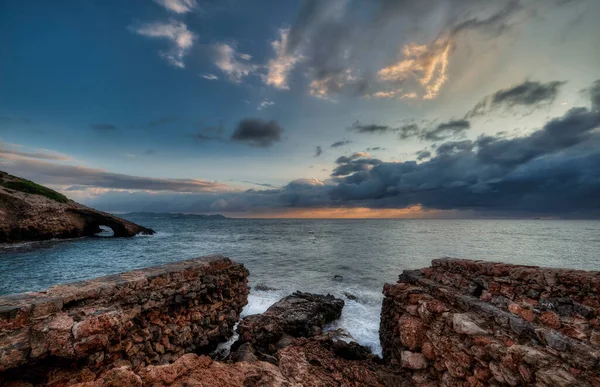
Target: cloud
{"x": 265, "y": 104}
{"x": 429, "y": 65}
{"x": 409, "y": 130}
{"x": 15, "y": 152}
{"x": 103, "y": 126}
{"x": 338, "y": 37}
{"x": 257, "y": 132}
{"x": 338, "y": 144}
{"x": 180, "y": 38}
{"x": 354, "y": 156}
{"x": 357, "y": 166}
{"x": 318, "y": 151}
{"x": 279, "y": 68}
{"x": 371, "y": 128}
{"x": 434, "y": 133}
{"x": 423, "y": 154}
{"x": 226, "y": 60}
{"x": 553, "y": 170}
{"x": 445, "y": 130}
{"x": 162, "y": 121}
{"x": 323, "y": 87}
{"x": 594, "y": 94}
{"x": 178, "y": 6}
{"x": 44, "y": 172}
{"x": 529, "y": 94}
{"x": 210, "y": 77}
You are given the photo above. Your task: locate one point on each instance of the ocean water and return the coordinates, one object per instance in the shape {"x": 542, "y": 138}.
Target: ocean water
{"x": 306, "y": 255}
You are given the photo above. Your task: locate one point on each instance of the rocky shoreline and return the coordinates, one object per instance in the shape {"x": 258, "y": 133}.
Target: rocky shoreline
{"x": 457, "y": 323}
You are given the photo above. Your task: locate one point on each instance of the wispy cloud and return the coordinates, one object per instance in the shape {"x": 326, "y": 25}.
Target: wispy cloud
{"x": 45, "y": 172}
{"x": 10, "y": 151}
{"x": 210, "y": 77}
{"x": 265, "y": 104}
{"x": 178, "y": 6}
{"x": 280, "y": 67}
{"x": 177, "y": 33}
{"x": 226, "y": 59}
{"x": 338, "y": 144}
{"x": 428, "y": 65}
{"x": 318, "y": 151}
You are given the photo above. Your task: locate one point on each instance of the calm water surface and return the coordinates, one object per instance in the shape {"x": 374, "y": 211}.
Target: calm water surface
{"x": 290, "y": 255}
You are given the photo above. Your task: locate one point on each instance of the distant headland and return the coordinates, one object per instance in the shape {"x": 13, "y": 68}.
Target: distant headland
{"x": 176, "y": 215}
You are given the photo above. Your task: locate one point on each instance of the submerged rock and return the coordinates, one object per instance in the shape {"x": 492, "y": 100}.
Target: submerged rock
{"x": 31, "y": 212}
{"x": 350, "y": 296}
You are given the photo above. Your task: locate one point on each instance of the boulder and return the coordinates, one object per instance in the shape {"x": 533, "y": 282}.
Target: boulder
{"x": 297, "y": 315}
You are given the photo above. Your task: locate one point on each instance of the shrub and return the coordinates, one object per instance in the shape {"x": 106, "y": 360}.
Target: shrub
{"x": 27, "y": 186}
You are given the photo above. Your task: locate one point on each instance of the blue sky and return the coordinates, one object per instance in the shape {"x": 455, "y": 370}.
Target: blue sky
{"x": 233, "y": 106}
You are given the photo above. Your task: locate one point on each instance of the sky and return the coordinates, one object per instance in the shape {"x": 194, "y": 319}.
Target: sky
{"x": 306, "y": 108}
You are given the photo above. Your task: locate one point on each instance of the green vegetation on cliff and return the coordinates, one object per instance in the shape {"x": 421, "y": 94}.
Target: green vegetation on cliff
{"x": 22, "y": 185}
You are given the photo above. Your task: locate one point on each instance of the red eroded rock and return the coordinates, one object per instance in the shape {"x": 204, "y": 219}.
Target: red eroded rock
{"x": 411, "y": 332}
{"x": 550, "y": 319}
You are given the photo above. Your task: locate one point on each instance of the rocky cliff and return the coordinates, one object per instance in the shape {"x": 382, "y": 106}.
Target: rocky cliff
{"x": 474, "y": 323}
{"x": 139, "y": 318}
{"x": 29, "y": 212}
{"x": 456, "y": 323}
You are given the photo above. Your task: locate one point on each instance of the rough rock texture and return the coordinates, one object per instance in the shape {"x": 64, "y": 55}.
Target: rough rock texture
{"x": 474, "y": 323}
{"x": 297, "y": 315}
{"x": 26, "y": 216}
{"x": 150, "y": 316}
{"x": 306, "y": 362}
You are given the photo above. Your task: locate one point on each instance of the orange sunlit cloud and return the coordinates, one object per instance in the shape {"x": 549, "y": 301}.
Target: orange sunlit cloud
{"x": 413, "y": 212}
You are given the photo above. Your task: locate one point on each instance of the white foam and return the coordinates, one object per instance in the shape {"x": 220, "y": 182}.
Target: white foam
{"x": 360, "y": 321}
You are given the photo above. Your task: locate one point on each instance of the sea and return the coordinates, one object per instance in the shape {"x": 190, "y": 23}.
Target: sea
{"x": 351, "y": 259}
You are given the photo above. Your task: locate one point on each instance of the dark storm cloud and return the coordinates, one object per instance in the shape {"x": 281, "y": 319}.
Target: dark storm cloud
{"x": 318, "y": 151}
{"x": 338, "y": 144}
{"x": 554, "y": 170}
{"x": 371, "y": 128}
{"x": 529, "y": 94}
{"x": 574, "y": 128}
{"x": 257, "y": 132}
{"x": 162, "y": 121}
{"x": 103, "y": 126}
